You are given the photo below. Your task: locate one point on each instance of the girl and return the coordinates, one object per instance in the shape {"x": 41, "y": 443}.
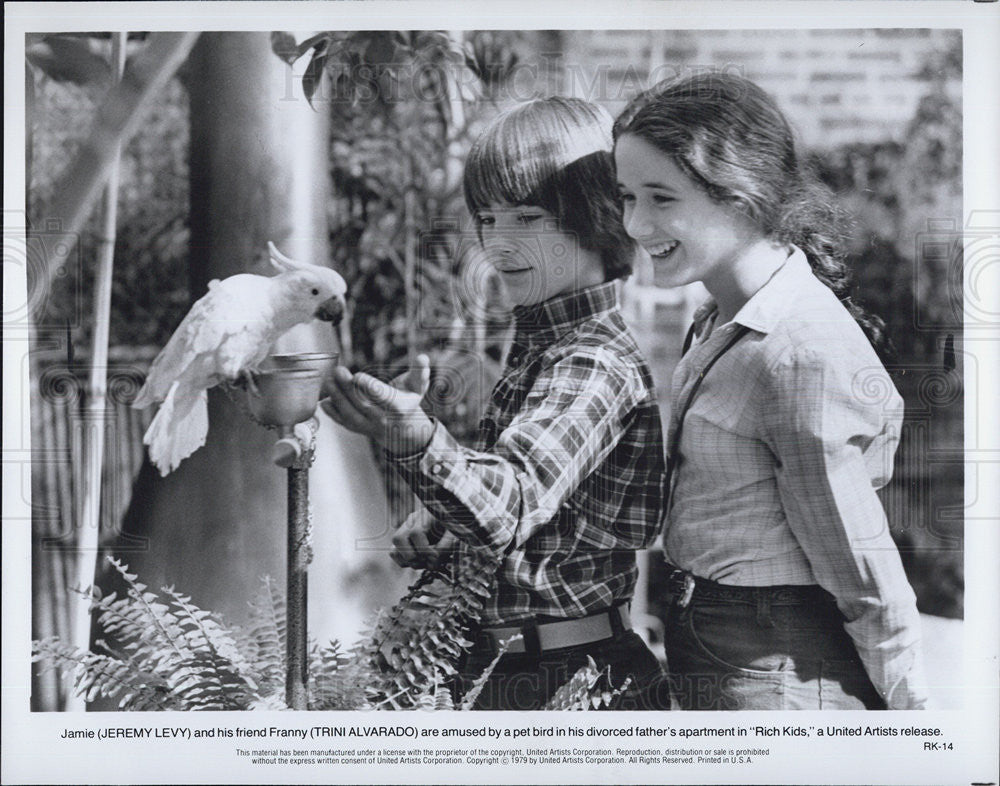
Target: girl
{"x": 787, "y": 591}
{"x": 565, "y": 483}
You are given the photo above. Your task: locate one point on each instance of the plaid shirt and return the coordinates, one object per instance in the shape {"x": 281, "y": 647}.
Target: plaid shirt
{"x": 783, "y": 447}
{"x": 567, "y": 477}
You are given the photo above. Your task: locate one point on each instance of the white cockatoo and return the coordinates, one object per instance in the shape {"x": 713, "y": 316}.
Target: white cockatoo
{"x": 226, "y": 335}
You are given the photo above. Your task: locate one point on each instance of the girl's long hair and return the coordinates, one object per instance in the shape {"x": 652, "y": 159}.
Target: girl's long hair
{"x": 728, "y": 135}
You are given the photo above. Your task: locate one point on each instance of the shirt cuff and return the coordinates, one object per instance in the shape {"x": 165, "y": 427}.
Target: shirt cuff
{"x": 442, "y": 455}
{"x": 432, "y": 466}
{"x": 910, "y": 692}
{"x": 410, "y": 459}
{"x": 441, "y": 444}
{"x": 442, "y": 477}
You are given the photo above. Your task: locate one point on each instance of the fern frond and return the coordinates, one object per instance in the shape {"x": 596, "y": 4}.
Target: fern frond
{"x": 204, "y": 683}
{"x": 273, "y": 701}
{"x": 145, "y": 619}
{"x": 575, "y": 694}
{"x": 333, "y": 685}
{"x": 264, "y": 637}
{"x": 469, "y": 699}
{"x": 169, "y": 654}
{"x": 443, "y": 699}
{"x": 603, "y": 698}
{"x": 148, "y": 691}
{"x": 165, "y": 655}
{"x": 586, "y": 690}
{"x": 102, "y": 675}
{"x": 408, "y": 659}
{"x": 202, "y": 631}
{"x": 386, "y": 623}
{"x": 416, "y": 644}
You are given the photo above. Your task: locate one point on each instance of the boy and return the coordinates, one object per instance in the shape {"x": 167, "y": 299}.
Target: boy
{"x": 566, "y": 481}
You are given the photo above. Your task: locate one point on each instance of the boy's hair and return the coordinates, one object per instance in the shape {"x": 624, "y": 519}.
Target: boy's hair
{"x": 554, "y": 153}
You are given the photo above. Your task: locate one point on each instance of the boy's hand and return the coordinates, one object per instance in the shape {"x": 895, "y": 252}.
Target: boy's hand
{"x": 418, "y": 543}
{"x": 389, "y": 414}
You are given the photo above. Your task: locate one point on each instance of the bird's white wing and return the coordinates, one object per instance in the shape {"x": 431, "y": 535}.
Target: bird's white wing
{"x": 220, "y": 335}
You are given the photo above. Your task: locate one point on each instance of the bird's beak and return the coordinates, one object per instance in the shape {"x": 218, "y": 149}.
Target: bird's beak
{"x": 331, "y": 310}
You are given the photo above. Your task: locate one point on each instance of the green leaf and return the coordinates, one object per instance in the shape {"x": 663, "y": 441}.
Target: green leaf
{"x": 322, "y": 40}
{"x": 69, "y": 59}
{"x": 313, "y": 76}
{"x": 284, "y": 46}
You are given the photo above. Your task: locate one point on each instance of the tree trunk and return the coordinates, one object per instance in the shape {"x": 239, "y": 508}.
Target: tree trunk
{"x": 217, "y": 524}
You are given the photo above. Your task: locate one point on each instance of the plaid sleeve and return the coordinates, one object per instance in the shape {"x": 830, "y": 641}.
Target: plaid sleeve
{"x": 573, "y": 416}
{"x": 823, "y": 434}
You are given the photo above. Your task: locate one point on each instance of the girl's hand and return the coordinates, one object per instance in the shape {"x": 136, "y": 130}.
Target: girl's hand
{"x": 420, "y": 542}
{"x": 389, "y": 414}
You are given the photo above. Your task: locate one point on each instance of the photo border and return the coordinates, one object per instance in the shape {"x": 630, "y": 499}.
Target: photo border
{"x": 32, "y": 749}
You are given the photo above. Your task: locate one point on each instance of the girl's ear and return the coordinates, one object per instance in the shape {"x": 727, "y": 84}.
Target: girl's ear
{"x": 742, "y": 206}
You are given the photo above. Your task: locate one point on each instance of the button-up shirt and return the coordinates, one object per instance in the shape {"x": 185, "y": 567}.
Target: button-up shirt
{"x": 782, "y": 450}
{"x": 566, "y": 478}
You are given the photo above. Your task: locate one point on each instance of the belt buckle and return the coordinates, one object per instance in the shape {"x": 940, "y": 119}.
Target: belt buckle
{"x": 687, "y": 589}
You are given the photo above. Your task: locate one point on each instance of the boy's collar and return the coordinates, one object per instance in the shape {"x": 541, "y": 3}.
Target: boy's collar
{"x": 565, "y": 311}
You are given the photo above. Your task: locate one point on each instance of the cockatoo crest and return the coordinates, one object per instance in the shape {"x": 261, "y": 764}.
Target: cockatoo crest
{"x": 286, "y": 265}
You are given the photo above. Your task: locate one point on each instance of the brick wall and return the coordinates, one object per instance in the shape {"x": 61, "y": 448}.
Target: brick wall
{"x": 835, "y": 86}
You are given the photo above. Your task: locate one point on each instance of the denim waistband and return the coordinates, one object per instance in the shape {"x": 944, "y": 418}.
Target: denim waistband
{"x": 683, "y": 587}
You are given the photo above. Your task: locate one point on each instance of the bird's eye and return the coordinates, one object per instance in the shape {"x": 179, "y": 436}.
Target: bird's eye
{"x": 315, "y": 291}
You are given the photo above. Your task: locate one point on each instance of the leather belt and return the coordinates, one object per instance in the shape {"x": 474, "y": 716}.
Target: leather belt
{"x": 543, "y": 636}
{"x": 683, "y": 587}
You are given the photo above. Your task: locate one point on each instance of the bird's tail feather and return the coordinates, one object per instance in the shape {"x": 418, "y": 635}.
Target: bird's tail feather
{"x": 179, "y": 428}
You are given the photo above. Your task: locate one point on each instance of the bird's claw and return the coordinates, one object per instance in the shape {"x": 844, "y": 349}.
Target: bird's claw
{"x": 246, "y": 380}
{"x": 305, "y": 433}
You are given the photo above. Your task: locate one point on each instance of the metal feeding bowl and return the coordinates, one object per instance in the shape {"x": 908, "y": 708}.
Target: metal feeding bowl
{"x": 288, "y": 387}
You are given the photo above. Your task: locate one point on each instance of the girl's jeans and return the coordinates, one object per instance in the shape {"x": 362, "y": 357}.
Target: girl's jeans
{"x": 762, "y": 648}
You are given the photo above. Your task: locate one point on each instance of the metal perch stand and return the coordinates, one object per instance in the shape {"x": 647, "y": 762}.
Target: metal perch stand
{"x": 288, "y": 388}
